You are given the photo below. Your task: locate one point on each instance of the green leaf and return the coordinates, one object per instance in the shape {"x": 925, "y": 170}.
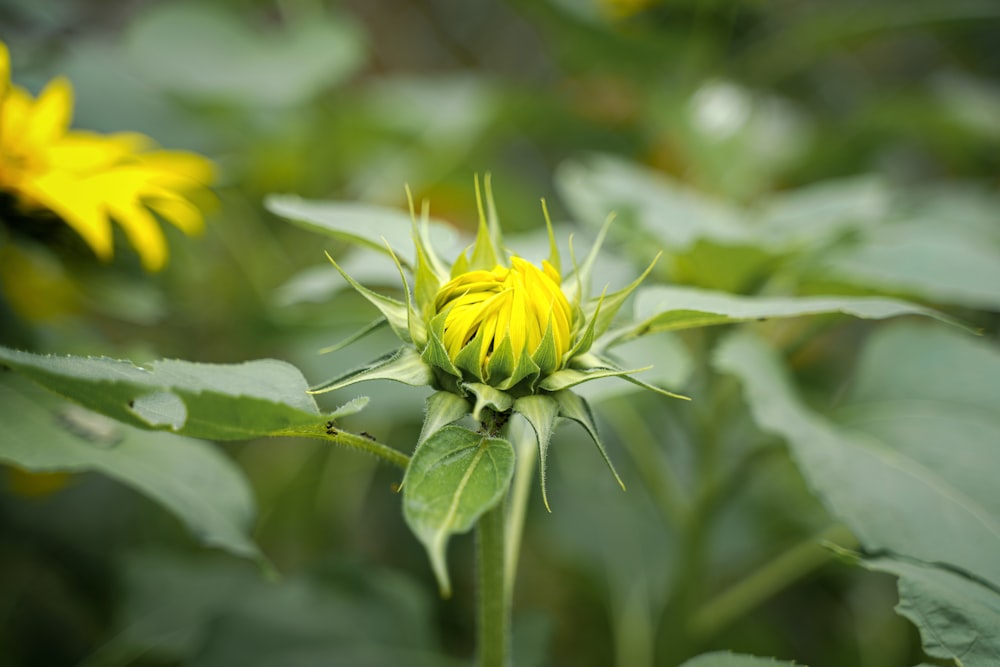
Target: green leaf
{"x": 402, "y": 365}
{"x": 225, "y": 60}
{"x": 443, "y": 408}
{"x": 541, "y": 412}
{"x": 662, "y": 308}
{"x": 884, "y": 470}
{"x": 958, "y": 617}
{"x": 726, "y": 659}
{"x": 365, "y": 225}
{"x": 396, "y": 313}
{"x": 211, "y": 401}
{"x": 43, "y": 433}
{"x": 454, "y": 477}
{"x": 576, "y": 408}
{"x": 943, "y": 264}
{"x": 487, "y": 396}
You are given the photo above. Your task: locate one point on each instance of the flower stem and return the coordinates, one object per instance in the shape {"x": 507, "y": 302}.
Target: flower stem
{"x": 773, "y": 577}
{"x": 493, "y": 604}
{"x": 524, "y": 475}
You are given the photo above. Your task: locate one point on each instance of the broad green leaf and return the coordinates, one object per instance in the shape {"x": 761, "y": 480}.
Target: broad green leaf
{"x": 365, "y": 225}
{"x": 43, "y": 433}
{"x": 597, "y": 185}
{"x": 576, "y": 408}
{"x": 541, "y": 412}
{"x": 958, "y": 617}
{"x": 662, "y": 308}
{"x": 208, "y": 613}
{"x": 726, "y": 659}
{"x": 224, "y": 60}
{"x": 907, "y": 470}
{"x": 943, "y": 264}
{"x": 402, "y": 365}
{"x": 211, "y": 401}
{"x": 454, "y": 477}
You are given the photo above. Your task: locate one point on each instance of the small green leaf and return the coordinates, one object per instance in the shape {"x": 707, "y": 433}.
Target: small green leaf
{"x": 546, "y": 357}
{"x": 210, "y": 401}
{"x": 403, "y": 365}
{"x": 454, "y": 477}
{"x": 487, "y": 396}
{"x": 43, "y": 433}
{"x": 662, "y": 308}
{"x": 435, "y": 353}
{"x": 443, "y": 408}
{"x": 541, "y": 412}
{"x": 576, "y": 408}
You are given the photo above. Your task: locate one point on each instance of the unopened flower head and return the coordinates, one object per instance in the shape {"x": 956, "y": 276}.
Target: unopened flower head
{"x": 494, "y": 328}
{"x": 493, "y": 319}
{"x": 87, "y": 179}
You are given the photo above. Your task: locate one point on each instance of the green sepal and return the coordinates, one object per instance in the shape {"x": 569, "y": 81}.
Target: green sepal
{"x": 541, "y": 412}
{"x": 526, "y": 369}
{"x": 570, "y": 377}
{"x": 579, "y": 281}
{"x": 356, "y": 336}
{"x": 435, "y": 353}
{"x": 454, "y": 477}
{"x": 604, "y": 310}
{"x": 403, "y": 365}
{"x": 486, "y": 249}
{"x": 467, "y": 358}
{"x": 395, "y": 312}
{"x": 572, "y": 406}
{"x": 546, "y": 357}
{"x": 586, "y": 340}
{"x": 501, "y": 363}
{"x": 430, "y": 272}
{"x": 442, "y": 408}
{"x": 553, "y": 246}
{"x": 461, "y": 264}
{"x": 487, "y": 397}
{"x": 414, "y": 323}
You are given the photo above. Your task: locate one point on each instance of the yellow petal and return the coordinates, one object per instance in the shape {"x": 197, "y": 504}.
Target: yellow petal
{"x": 50, "y": 117}
{"x": 143, "y": 232}
{"x": 77, "y": 205}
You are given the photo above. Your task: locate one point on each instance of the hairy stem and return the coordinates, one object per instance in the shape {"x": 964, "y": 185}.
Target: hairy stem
{"x": 493, "y": 605}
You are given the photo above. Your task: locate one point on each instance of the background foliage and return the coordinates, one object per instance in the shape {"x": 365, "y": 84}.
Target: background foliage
{"x": 773, "y": 151}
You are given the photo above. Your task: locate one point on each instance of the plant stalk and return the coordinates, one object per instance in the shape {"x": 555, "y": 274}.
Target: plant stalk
{"x": 493, "y": 604}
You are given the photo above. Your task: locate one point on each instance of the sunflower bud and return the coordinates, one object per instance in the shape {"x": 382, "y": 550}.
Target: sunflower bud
{"x": 501, "y": 325}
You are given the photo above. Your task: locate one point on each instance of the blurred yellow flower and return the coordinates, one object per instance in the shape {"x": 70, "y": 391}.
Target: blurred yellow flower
{"x": 516, "y": 307}
{"x": 88, "y": 179}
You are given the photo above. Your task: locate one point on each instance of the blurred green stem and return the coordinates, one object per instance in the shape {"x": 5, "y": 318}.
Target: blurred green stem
{"x": 524, "y": 475}
{"x": 773, "y": 577}
{"x": 359, "y": 442}
{"x": 644, "y": 448}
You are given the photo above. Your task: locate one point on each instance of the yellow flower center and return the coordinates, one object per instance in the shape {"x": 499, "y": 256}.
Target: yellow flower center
{"x": 520, "y": 304}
